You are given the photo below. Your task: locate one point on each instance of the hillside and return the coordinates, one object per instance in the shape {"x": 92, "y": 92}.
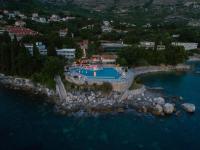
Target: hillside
{"x": 135, "y": 11}
{"x": 105, "y": 4}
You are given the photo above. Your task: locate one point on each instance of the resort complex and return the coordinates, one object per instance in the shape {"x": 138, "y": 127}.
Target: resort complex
{"x": 88, "y": 63}
{"x": 97, "y": 70}
{"x": 99, "y": 74}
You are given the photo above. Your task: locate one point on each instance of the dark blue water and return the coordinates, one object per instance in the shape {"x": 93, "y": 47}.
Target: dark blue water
{"x": 28, "y": 123}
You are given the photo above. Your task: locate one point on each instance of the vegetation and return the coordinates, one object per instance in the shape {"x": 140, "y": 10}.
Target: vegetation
{"x": 15, "y": 59}
{"x": 135, "y": 56}
{"x": 136, "y": 84}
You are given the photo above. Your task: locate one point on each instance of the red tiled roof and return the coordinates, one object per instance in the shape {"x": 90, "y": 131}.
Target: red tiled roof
{"x": 20, "y": 31}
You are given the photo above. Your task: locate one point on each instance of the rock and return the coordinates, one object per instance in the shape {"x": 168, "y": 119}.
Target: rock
{"x": 144, "y": 109}
{"x": 188, "y": 107}
{"x": 159, "y": 100}
{"x": 158, "y": 110}
{"x": 178, "y": 113}
{"x": 168, "y": 108}
{"x": 120, "y": 110}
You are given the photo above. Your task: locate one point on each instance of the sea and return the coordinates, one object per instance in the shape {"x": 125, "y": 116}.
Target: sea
{"x": 28, "y": 122}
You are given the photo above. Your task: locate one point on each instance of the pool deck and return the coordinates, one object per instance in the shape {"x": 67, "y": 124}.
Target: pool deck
{"x": 121, "y": 84}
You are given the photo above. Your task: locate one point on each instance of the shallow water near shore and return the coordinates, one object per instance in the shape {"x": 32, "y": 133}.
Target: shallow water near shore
{"x": 29, "y": 123}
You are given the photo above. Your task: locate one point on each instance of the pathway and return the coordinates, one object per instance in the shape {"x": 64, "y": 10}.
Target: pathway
{"x": 60, "y": 88}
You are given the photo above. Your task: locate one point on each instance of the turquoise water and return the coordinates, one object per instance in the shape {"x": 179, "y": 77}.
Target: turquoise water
{"x": 103, "y": 73}
{"x": 28, "y": 123}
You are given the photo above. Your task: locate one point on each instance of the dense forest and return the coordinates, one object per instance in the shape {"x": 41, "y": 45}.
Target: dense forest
{"x": 135, "y": 56}
{"x": 16, "y": 60}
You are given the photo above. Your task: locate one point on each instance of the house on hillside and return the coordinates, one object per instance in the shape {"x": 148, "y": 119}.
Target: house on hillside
{"x": 106, "y": 27}
{"x": 54, "y": 18}
{"x": 20, "y": 23}
{"x": 67, "y": 53}
{"x": 151, "y": 45}
{"x": 186, "y": 45}
{"x": 63, "y": 32}
{"x": 20, "y": 32}
{"x": 2, "y": 30}
{"x": 35, "y": 15}
{"x": 109, "y": 59}
{"x": 105, "y": 59}
{"x": 41, "y": 47}
{"x": 113, "y": 46}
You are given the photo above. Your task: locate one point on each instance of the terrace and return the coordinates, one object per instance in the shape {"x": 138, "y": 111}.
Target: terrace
{"x": 93, "y": 71}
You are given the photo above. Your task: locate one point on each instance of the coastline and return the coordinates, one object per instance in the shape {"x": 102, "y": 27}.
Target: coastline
{"x": 23, "y": 84}
{"x": 155, "y": 69}
{"x": 95, "y": 102}
{"x": 194, "y": 58}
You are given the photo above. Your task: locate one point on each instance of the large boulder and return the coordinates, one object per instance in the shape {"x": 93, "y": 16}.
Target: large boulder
{"x": 189, "y": 107}
{"x": 168, "y": 108}
{"x": 158, "y": 110}
{"x": 159, "y": 100}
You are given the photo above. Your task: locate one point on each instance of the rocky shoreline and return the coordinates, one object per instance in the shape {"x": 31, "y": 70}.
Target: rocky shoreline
{"x": 95, "y": 102}
{"x": 17, "y": 83}
{"x": 195, "y": 57}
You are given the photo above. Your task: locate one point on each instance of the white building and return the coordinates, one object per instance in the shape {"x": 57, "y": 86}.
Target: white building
{"x": 11, "y": 16}
{"x": 41, "y": 47}
{"x": 22, "y": 16}
{"x": 148, "y": 25}
{"x": 108, "y": 59}
{"x": 35, "y": 15}
{"x": 54, "y": 18}
{"x": 194, "y": 23}
{"x": 176, "y": 35}
{"x": 63, "y": 33}
{"x": 106, "y": 27}
{"x": 113, "y": 46}
{"x": 5, "y": 12}
{"x": 2, "y": 30}
{"x": 187, "y": 46}
{"x": 67, "y": 53}
{"x": 151, "y": 45}
{"x": 42, "y": 20}
{"x": 147, "y": 45}
{"x": 20, "y": 23}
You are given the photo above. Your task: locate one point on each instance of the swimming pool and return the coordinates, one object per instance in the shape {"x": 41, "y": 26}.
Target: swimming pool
{"x": 102, "y": 73}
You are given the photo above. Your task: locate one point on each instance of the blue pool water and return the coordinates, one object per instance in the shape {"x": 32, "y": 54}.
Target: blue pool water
{"x": 103, "y": 73}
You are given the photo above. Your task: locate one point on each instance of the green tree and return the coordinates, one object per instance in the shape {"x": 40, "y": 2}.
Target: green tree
{"x": 36, "y": 59}
{"x": 14, "y": 54}
{"x": 6, "y": 37}
{"x": 79, "y": 53}
{"x": 53, "y": 66}
{"x": 24, "y": 62}
{"x": 51, "y": 51}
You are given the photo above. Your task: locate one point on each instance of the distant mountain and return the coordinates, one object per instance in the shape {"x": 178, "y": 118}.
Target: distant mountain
{"x": 105, "y": 4}
{"x": 136, "y": 11}
{"x": 101, "y": 5}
